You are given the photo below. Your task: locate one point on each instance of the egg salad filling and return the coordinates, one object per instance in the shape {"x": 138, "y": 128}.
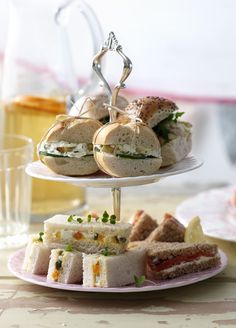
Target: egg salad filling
{"x": 65, "y": 149}
{"x": 101, "y": 238}
{"x": 129, "y": 151}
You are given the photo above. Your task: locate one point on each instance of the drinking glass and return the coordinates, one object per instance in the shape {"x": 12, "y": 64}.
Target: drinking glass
{"x": 16, "y": 152}
{"x": 40, "y": 81}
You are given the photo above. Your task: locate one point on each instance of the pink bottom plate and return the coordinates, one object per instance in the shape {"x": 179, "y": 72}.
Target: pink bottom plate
{"x": 16, "y": 260}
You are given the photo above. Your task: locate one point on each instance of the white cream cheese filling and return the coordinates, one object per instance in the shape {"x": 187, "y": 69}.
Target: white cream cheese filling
{"x": 67, "y": 149}
{"x": 129, "y": 149}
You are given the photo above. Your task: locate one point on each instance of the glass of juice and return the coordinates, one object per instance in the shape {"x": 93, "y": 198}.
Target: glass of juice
{"x": 32, "y": 116}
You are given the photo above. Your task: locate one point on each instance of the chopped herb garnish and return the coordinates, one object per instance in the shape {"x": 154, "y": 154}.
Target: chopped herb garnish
{"x": 97, "y": 218}
{"x": 80, "y": 220}
{"x": 40, "y": 236}
{"x": 69, "y": 248}
{"x": 105, "y": 217}
{"x": 139, "y": 280}
{"x": 89, "y": 218}
{"x": 113, "y": 219}
{"x": 70, "y": 218}
{"x": 105, "y": 252}
{"x": 176, "y": 115}
{"x": 58, "y": 264}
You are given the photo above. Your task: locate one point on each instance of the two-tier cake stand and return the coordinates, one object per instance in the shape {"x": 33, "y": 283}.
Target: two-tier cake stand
{"x": 102, "y": 180}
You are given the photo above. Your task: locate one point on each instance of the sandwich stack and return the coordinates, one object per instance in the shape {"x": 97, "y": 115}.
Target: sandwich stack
{"x": 88, "y": 250}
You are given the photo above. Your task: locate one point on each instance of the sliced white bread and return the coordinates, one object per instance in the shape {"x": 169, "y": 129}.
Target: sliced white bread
{"x": 87, "y": 237}
{"x": 36, "y": 258}
{"x": 113, "y": 271}
{"x": 65, "y": 267}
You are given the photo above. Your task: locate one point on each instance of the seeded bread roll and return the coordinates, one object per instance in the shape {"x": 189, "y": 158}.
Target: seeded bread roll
{"x": 153, "y": 109}
{"x": 93, "y": 107}
{"x": 161, "y": 115}
{"x": 66, "y": 148}
{"x": 124, "y": 149}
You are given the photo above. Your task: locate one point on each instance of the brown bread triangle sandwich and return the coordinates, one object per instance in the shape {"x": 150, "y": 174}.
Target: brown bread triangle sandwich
{"x": 142, "y": 226}
{"x": 162, "y": 116}
{"x": 67, "y": 148}
{"x": 171, "y": 260}
{"x": 169, "y": 230}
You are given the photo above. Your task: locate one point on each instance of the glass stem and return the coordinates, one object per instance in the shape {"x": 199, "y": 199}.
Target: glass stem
{"x": 116, "y": 197}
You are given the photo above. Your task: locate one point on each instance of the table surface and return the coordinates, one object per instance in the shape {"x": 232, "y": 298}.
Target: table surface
{"x": 211, "y": 303}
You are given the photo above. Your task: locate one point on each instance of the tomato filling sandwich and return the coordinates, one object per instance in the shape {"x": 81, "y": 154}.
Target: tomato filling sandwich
{"x": 171, "y": 260}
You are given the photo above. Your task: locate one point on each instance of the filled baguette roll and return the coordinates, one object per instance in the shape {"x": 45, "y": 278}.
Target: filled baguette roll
{"x": 127, "y": 149}
{"x": 67, "y": 149}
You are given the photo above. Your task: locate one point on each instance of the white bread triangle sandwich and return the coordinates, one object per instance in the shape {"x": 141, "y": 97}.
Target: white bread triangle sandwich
{"x": 84, "y": 236}
{"x": 93, "y": 107}
{"x": 37, "y": 254}
{"x": 65, "y": 266}
{"x": 127, "y": 149}
{"x": 66, "y": 148}
{"x": 113, "y": 271}
{"x": 162, "y": 116}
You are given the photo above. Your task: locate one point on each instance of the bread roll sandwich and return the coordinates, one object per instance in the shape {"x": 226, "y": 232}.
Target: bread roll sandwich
{"x": 162, "y": 116}
{"x": 65, "y": 266}
{"x": 93, "y": 107}
{"x": 127, "y": 149}
{"x": 113, "y": 271}
{"x": 67, "y": 149}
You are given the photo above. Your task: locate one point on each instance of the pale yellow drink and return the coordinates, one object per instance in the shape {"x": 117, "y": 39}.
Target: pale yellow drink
{"x": 31, "y": 116}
